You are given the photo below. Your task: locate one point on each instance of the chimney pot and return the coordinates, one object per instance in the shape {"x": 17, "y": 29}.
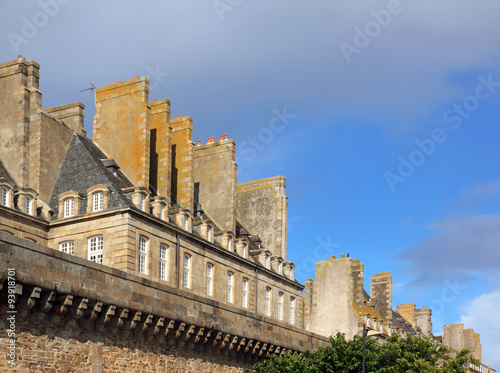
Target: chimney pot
{"x": 213, "y": 138}
{"x": 198, "y": 143}
{"x": 221, "y": 138}
{"x": 226, "y": 137}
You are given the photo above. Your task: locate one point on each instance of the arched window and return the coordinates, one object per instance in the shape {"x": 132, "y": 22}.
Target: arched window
{"x": 143, "y": 254}
{"x": 69, "y": 207}
{"x": 28, "y": 205}
{"x": 268, "y": 302}
{"x": 67, "y": 247}
{"x": 230, "y": 278}
{"x": 280, "y": 306}
{"x": 163, "y": 262}
{"x": 98, "y": 201}
{"x": 210, "y": 274}
{"x": 244, "y": 293}
{"x": 187, "y": 269}
{"x": 4, "y": 201}
{"x": 95, "y": 249}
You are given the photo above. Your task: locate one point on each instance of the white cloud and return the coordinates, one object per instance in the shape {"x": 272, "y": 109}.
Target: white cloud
{"x": 481, "y": 314}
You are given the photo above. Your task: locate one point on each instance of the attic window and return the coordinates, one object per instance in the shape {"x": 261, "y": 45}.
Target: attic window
{"x": 5, "y": 197}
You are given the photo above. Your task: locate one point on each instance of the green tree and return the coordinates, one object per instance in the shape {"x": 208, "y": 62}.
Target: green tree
{"x": 395, "y": 355}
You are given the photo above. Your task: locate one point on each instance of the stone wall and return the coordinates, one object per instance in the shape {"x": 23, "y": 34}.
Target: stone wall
{"x": 122, "y": 127}
{"x": 215, "y": 179}
{"x": 262, "y": 206}
{"x": 79, "y": 316}
{"x": 381, "y": 294}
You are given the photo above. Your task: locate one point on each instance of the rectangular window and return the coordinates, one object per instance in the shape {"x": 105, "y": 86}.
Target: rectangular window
{"x": 69, "y": 207}
{"x": 292, "y": 310}
{"x": 98, "y": 199}
{"x": 143, "y": 202}
{"x": 230, "y": 244}
{"x": 280, "y": 306}
{"x": 162, "y": 211}
{"x": 229, "y": 287}
{"x": 185, "y": 224}
{"x": 95, "y": 249}
{"x": 5, "y": 197}
{"x": 244, "y": 251}
{"x": 244, "y": 293}
{"x": 268, "y": 302}
{"x": 209, "y": 233}
{"x": 163, "y": 262}
{"x": 143, "y": 253}
{"x": 187, "y": 269}
{"x": 67, "y": 247}
{"x": 210, "y": 270}
{"x": 27, "y": 204}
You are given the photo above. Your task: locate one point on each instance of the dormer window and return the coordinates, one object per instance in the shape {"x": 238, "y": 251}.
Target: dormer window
{"x": 185, "y": 223}
{"x": 142, "y": 205}
{"x": 209, "y": 233}
{"x": 268, "y": 262}
{"x": 230, "y": 244}
{"x": 162, "y": 211}
{"x": 28, "y": 205}
{"x": 98, "y": 197}
{"x": 5, "y": 196}
{"x": 280, "y": 268}
{"x": 98, "y": 201}
{"x": 69, "y": 207}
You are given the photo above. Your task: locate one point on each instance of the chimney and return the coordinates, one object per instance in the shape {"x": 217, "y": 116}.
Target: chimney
{"x": 381, "y": 294}
{"x": 183, "y": 161}
{"x": 160, "y": 162}
{"x": 122, "y": 127}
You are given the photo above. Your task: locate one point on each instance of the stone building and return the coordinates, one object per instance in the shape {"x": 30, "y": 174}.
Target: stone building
{"x": 336, "y": 301}
{"x": 137, "y": 250}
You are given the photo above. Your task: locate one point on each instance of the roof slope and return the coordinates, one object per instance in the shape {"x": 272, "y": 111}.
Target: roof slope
{"x": 83, "y": 168}
{"x": 4, "y": 174}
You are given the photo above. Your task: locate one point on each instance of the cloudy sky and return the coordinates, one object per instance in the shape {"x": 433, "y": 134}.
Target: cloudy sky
{"x": 383, "y": 116}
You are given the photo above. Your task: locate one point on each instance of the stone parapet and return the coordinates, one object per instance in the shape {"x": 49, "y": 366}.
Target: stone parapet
{"x": 101, "y": 301}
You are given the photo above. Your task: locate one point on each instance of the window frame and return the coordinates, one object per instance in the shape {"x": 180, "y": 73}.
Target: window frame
{"x": 229, "y": 287}
{"x": 292, "y": 310}
{"x": 67, "y": 247}
{"x": 142, "y": 266}
{"x": 186, "y": 277}
{"x": 28, "y": 204}
{"x": 267, "y": 305}
{"x": 210, "y": 279}
{"x": 69, "y": 207}
{"x": 163, "y": 261}
{"x": 281, "y": 296}
{"x": 99, "y": 248}
{"x": 244, "y": 292}
{"x": 97, "y": 201}
{"x": 5, "y": 194}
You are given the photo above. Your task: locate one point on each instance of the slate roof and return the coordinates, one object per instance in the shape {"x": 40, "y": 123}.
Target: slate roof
{"x": 4, "y": 174}
{"x": 83, "y": 167}
{"x": 399, "y": 322}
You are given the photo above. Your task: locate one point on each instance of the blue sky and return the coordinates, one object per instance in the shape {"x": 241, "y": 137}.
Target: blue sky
{"x": 383, "y": 116}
